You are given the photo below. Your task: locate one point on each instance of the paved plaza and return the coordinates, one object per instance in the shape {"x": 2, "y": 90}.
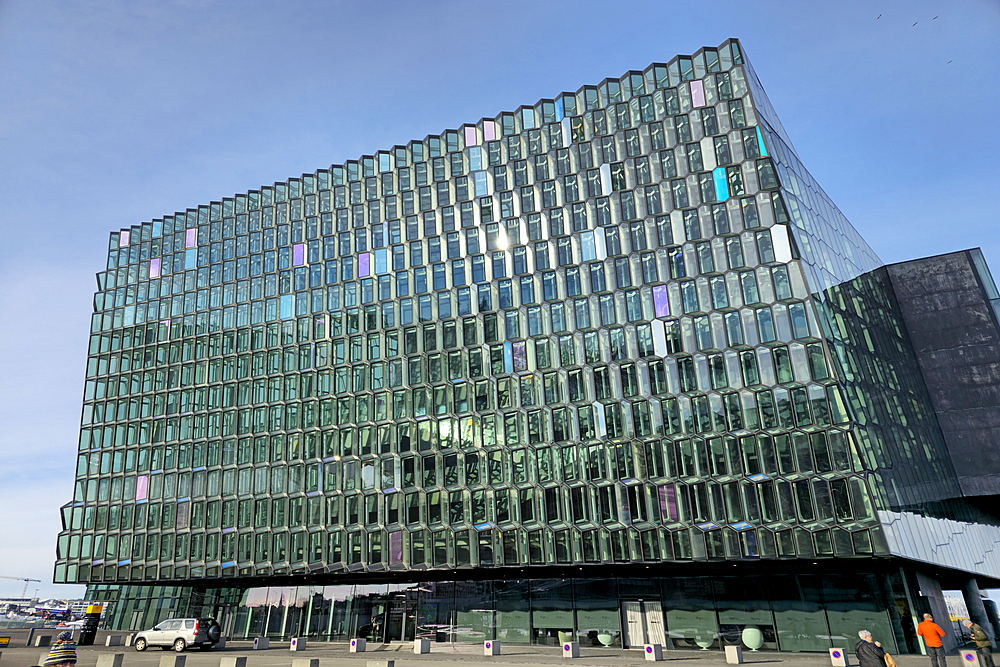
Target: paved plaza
{"x": 448, "y": 655}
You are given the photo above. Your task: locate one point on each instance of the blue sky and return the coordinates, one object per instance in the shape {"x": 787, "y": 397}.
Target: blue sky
{"x": 113, "y": 113}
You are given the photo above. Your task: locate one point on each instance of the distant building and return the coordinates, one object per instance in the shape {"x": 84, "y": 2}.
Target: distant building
{"x": 956, "y": 607}
{"x": 611, "y": 367}
{"x": 79, "y": 607}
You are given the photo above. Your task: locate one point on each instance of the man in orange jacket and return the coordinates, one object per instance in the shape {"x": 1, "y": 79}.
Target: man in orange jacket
{"x": 932, "y": 634}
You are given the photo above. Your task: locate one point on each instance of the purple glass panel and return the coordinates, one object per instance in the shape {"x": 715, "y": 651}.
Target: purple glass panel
{"x": 661, "y": 305}
{"x": 298, "y": 254}
{"x": 123, "y": 238}
{"x": 154, "y": 267}
{"x": 183, "y": 515}
{"x": 471, "y": 139}
{"x": 489, "y": 130}
{"x": 520, "y": 356}
{"x": 697, "y": 93}
{"x": 141, "y": 487}
{"x": 191, "y": 238}
{"x": 395, "y": 547}
{"x": 668, "y": 503}
{"x": 364, "y": 265}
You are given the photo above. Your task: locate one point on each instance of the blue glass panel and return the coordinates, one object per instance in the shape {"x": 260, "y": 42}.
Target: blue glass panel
{"x": 760, "y": 142}
{"x": 381, "y": 261}
{"x": 721, "y": 188}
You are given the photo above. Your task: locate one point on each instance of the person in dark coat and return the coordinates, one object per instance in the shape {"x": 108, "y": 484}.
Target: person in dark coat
{"x": 869, "y": 653}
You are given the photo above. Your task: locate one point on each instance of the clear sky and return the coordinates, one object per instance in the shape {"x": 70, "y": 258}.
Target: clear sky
{"x": 116, "y": 112}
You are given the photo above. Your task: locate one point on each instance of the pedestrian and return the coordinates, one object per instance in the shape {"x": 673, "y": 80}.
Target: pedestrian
{"x": 984, "y": 646}
{"x": 869, "y": 652}
{"x": 932, "y": 634}
{"x": 63, "y": 652}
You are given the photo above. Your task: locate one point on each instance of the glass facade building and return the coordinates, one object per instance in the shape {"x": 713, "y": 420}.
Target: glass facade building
{"x": 611, "y": 366}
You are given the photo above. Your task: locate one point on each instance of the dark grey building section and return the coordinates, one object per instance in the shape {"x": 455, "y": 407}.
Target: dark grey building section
{"x": 948, "y": 305}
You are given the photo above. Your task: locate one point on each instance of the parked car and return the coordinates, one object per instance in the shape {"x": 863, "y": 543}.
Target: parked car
{"x": 180, "y": 633}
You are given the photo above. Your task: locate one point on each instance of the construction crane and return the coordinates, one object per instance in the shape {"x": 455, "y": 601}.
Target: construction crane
{"x": 26, "y": 582}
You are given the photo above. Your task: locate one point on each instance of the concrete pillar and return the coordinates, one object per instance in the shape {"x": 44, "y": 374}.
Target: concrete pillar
{"x": 930, "y": 590}
{"x": 110, "y": 659}
{"x": 974, "y": 603}
{"x": 991, "y": 611}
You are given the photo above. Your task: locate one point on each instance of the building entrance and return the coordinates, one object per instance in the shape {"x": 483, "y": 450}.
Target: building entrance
{"x": 400, "y": 614}
{"x": 642, "y": 623}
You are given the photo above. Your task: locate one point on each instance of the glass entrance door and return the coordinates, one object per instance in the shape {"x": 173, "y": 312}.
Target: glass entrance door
{"x": 400, "y": 616}
{"x": 643, "y": 623}
{"x": 653, "y": 615}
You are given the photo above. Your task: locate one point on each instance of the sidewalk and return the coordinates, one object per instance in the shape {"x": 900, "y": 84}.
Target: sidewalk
{"x": 441, "y": 655}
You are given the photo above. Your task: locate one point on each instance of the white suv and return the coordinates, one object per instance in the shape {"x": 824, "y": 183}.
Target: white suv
{"x": 179, "y": 633}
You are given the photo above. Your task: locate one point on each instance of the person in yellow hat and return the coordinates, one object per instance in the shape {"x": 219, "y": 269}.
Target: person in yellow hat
{"x": 63, "y": 652}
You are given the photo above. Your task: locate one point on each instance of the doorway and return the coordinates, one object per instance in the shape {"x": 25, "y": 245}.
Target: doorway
{"x": 643, "y": 623}
{"x": 400, "y": 615}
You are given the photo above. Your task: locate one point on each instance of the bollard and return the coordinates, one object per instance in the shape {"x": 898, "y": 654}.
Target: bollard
{"x": 571, "y": 649}
{"x": 261, "y": 643}
{"x": 839, "y": 657}
{"x": 653, "y": 652}
{"x": 110, "y": 659}
{"x": 43, "y": 640}
{"x": 305, "y": 662}
{"x": 357, "y": 646}
{"x": 233, "y": 661}
{"x": 113, "y": 640}
{"x": 734, "y": 655}
{"x": 130, "y": 640}
{"x": 299, "y": 644}
{"x": 381, "y": 663}
{"x": 970, "y": 658}
{"x": 173, "y": 661}
{"x": 491, "y": 647}
{"x": 421, "y": 646}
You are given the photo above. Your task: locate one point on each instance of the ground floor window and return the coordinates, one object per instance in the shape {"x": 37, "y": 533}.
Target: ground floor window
{"x": 785, "y": 612}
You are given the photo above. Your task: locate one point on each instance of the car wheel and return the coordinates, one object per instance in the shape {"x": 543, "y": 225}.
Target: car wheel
{"x": 140, "y": 644}
{"x": 180, "y": 645}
